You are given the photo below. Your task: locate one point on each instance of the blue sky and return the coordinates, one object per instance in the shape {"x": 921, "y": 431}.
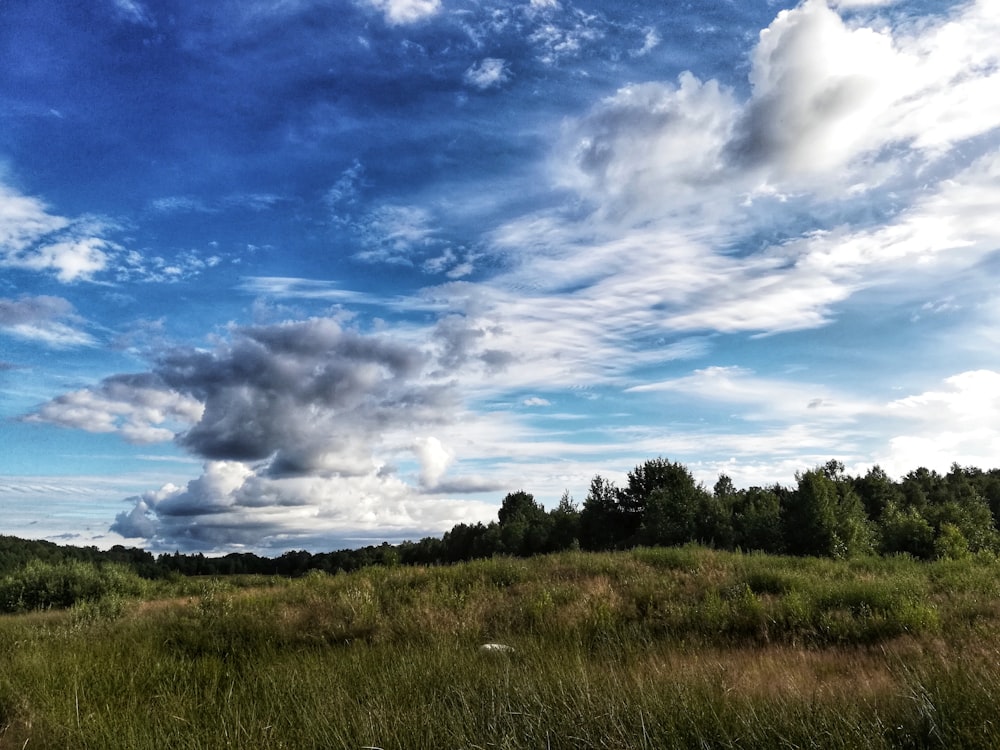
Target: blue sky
{"x": 315, "y": 273}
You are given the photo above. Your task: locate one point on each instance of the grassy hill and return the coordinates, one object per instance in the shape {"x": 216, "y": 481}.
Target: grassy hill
{"x": 659, "y": 648}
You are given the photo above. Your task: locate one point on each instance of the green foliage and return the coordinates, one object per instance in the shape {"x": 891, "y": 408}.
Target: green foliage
{"x": 601, "y": 519}
{"x": 810, "y": 521}
{"x": 950, "y": 544}
{"x": 756, "y": 520}
{"x": 524, "y": 526}
{"x": 905, "y": 531}
{"x": 42, "y": 585}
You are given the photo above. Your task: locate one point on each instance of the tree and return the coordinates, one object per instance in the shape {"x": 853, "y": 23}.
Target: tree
{"x": 810, "y": 518}
{"x": 601, "y": 518}
{"x": 564, "y": 528}
{"x": 518, "y": 504}
{"x": 905, "y": 530}
{"x": 677, "y": 510}
{"x": 757, "y": 520}
{"x": 524, "y": 525}
{"x": 825, "y": 516}
{"x": 877, "y": 491}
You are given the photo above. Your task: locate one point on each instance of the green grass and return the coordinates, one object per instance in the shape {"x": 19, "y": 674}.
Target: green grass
{"x": 671, "y": 648}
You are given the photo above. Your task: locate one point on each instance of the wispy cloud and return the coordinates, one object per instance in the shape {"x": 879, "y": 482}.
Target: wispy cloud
{"x": 489, "y": 72}
{"x": 134, "y": 12}
{"x": 33, "y": 238}
{"x": 51, "y": 321}
{"x": 289, "y": 287}
{"x": 399, "y": 12}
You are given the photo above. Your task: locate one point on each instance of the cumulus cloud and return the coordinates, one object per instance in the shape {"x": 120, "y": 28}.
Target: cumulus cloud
{"x": 33, "y": 238}
{"x": 487, "y": 73}
{"x": 817, "y": 86}
{"x": 398, "y": 12}
{"x": 80, "y": 249}
{"x": 434, "y": 459}
{"x": 825, "y": 93}
{"x": 826, "y": 97}
{"x": 70, "y": 259}
{"x": 229, "y": 507}
{"x": 308, "y": 396}
{"x": 48, "y": 320}
{"x": 652, "y": 140}
{"x": 955, "y": 423}
{"x": 296, "y": 422}
{"x": 141, "y": 408}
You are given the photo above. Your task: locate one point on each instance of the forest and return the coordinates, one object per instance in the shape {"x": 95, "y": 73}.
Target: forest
{"x": 827, "y": 513}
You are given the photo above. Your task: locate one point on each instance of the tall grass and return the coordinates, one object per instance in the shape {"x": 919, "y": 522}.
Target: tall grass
{"x": 669, "y": 648}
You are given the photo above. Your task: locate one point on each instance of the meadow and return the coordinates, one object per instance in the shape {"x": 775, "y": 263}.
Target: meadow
{"x": 650, "y": 648}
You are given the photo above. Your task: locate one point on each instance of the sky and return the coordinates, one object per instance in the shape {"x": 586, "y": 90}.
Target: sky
{"x": 313, "y": 274}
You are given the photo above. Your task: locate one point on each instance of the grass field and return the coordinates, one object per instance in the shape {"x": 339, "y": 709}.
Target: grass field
{"x": 653, "y": 648}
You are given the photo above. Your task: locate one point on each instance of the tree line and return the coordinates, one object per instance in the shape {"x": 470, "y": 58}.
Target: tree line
{"x": 827, "y": 512}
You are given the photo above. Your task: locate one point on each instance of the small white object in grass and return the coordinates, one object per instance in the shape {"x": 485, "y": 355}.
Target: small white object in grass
{"x": 496, "y": 648}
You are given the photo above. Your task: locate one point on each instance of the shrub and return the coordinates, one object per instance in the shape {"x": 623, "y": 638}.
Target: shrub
{"x": 42, "y": 585}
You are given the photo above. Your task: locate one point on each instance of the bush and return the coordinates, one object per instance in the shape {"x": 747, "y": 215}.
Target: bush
{"x": 42, "y": 585}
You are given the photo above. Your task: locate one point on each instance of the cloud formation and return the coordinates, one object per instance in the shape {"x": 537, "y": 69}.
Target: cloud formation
{"x": 296, "y": 422}
{"x": 34, "y": 239}
{"x": 140, "y": 408}
{"x": 487, "y": 73}
{"x": 51, "y": 321}
{"x": 398, "y": 12}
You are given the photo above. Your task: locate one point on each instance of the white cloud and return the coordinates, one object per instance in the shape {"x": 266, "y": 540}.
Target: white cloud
{"x": 24, "y": 220}
{"x": 817, "y": 86}
{"x": 139, "y": 408}
{"x": 180, "y": 204}
{"x": 48, "y": 320}
{"x": 435, "y": 458}
{"x": 651, "y": 41}
{"x": 652, "y": 140}
{"x": 134, "y": 12}
{"x": 563, "y": 32}
{"x": 32, "y": 238}
{"x": 346, "y": 189}
{"x": 763, "y": 398}
{"x": 398, "y": 12}
{"x": 667, "y": 169}
{"x": 71, "y": 260}
{"x": 860, "y": 3}
{"x": 393, "y": 234}
{"x": 826, "y": 94}
{"x": 960, "y": 423}
{"x": 487, "y": 73}
{"x": 230, "y": 506}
